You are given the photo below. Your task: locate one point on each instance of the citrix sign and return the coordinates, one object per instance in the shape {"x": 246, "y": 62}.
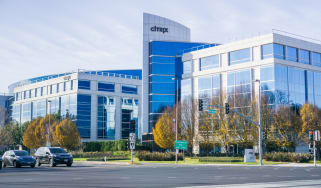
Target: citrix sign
{"x": 159, "y": 29}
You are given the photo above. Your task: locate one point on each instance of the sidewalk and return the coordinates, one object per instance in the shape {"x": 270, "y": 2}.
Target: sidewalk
{"x": 88, "y": 163}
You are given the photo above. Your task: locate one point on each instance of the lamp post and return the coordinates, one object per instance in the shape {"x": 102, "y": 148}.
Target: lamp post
{"x": 48, "y": 128}
{"x": 260, "y": 127}
{"x": 176, "y": 115}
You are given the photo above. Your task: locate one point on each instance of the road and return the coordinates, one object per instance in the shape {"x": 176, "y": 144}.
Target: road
{"x": 160, "y": 175}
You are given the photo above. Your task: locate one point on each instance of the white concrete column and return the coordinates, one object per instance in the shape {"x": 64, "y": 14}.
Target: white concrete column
{"x": 118, "y": 103}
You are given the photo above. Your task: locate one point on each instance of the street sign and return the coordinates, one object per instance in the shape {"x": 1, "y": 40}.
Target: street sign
{"x": 181, "y": 144}
{"x": 317, "y": 135}
{"x": 132, "y": 145}
{"x": 212, "y": 111}
{"x": 132, "y": 137}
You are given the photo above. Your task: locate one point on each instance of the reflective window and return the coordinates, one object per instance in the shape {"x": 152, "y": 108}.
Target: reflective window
{"x": 186, "y": 89}
{"x": 39, "y": 109}
{"x": 162, "y": 68}
{"x": 130, "y": 89}
{"x": 272, "y": 51}
{"x": 39, "y": 93}
{"x": 316, "y": 59}
{"x": 291, "y": 54}
{"x": 106, "y": 118}
{"x": 310, "y": 87}
{"x": 296, "y": 79}
{"x": 109, "y": 87}
{"x": 304, "y": 56}
{"x": 208, "y": 86}
{"x": 187, "y": 67}
{"x": 16, "y": 112}
{"x": 83, "y": 114}
{"x": 44, "y": 91}
{"x": 129, "y": 112}
{"x": 240, "y": 56}
{"x": 210, "y": 62}
{"x": 53, "y": 89}
{"x": 54, "y": 105}
{"x": 84, "y": 84}
{"x": 26, "y": 112}
{"x": 317, "y": 89}
{"x": 239, "y": 88}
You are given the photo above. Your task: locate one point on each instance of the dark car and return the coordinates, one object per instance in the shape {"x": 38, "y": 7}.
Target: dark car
{"x": 53, "y": 156}
{"x": 17, "y": 158}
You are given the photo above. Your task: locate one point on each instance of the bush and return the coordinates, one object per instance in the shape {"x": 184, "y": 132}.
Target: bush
{"x": 157, "y": 156}
{"x": 288, "y": 157}
{"x": 221, "y": 159}
{"x": 99, "y": 154}
{"x": 118, "y": 145}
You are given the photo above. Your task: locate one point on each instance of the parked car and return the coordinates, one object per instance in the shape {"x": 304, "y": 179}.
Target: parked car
{"x": 53, "y": 156}
{"x": 17, "y": 158}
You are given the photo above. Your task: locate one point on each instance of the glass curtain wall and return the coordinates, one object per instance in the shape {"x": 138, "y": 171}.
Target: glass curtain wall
{"x": 106, "y": 118}
{"x": 129, "y": 112}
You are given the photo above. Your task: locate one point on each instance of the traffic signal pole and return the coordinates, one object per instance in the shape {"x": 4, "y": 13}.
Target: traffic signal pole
{"x": 314, "y": 154}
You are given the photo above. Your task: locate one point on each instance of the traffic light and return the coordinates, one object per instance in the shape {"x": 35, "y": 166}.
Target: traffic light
{"x": 227, "y": 108}
{"x": 132, "y": 126}
{"x": 311, "y": 136}
{"x": 200, "y": 105}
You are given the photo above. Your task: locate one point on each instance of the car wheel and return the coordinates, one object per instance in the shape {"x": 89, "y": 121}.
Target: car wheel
{"x": 69, "y": 164}
{"x": 4, "y": 165}
{"x": 14, "y": 164}
{"x": 0, "y": 166}
{"x": 38, "y": 162}
{"x": 51, "y": 162}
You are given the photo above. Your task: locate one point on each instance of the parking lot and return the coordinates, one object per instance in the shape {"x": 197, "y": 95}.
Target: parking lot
{"x": 151, "y": 175}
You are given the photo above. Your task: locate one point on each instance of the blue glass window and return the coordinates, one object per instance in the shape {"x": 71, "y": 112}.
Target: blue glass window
{"x": 316, "y": 59}
{"x": 84, "y": 84}
{"x": 273, "y": 51}
{"x": 106, "y": 118}
{"x": 162, "y": 68}
{"x": 110, "y": 87}
{"x": 304, "y": 56}
{"x": 211, "y": 62}
{"x": 162, "y": 88}
{"x": 240, "y": 56}
{"x": 83, "y": 115}
{"x": 291, "y": 54}
{"x": 130, "y": 89}
{"x": 187, "y": 67}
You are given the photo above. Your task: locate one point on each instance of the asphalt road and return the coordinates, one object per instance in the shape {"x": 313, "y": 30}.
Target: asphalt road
{"x": 156, "y": 175}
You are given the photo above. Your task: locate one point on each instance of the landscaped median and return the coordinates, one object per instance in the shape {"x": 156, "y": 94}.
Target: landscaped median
{"x": 166, "y": 158}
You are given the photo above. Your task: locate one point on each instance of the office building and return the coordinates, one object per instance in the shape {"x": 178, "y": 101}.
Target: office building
{"x": 102, "y": 103}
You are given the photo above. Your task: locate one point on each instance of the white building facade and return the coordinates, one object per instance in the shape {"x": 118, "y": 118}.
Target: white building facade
{"x": 289, "y": 70}
{"x": 101, "y": 103}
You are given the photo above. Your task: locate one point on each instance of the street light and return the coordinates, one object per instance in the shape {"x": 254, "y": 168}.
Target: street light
{"x": 260, "y": 127}
{"x": 175, "y": 78}
{"x": 48, "y": 128}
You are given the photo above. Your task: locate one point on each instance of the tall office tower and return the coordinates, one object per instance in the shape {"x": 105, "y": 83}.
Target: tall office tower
{"x": 164, "y": 41}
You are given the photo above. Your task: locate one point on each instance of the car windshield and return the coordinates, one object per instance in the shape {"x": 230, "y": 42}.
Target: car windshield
{"x": 21, "y": 153}
{"x": 56, "y": 150}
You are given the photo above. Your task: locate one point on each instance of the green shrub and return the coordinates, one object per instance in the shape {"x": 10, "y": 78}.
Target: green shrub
{"x": 288, "y": 157}
{"x": 221, "y": 159}
{"x": 100, "y": 155}
{"x": 157, "y": 156}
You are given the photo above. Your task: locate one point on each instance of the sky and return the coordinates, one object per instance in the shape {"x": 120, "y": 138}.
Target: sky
{"x": 40, "y": 37}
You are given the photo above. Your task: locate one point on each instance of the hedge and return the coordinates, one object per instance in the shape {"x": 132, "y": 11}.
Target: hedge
{"x": 221, "y": 159}
{"x": 288, "y": 157}
{"x": 99, "y": 156}
{"x": 105, "y": 146}
{"x": 157, "y": 156}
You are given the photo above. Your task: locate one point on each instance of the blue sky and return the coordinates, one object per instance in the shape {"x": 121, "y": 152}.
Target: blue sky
{"x": 39, "y": 37}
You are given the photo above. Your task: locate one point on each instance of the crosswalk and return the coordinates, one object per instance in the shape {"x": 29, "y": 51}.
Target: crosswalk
{"x": 287, "y": 184}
